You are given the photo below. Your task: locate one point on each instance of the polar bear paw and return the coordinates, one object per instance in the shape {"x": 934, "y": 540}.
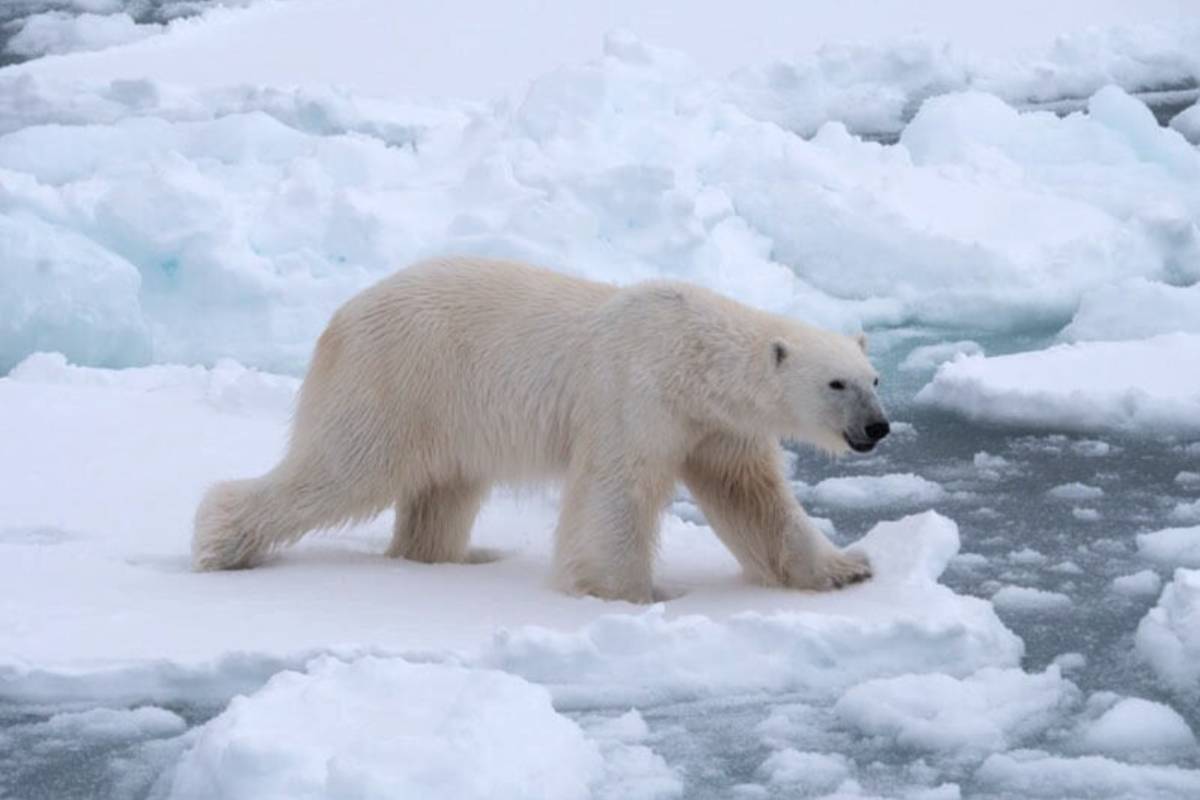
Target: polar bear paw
{"x": 835, "y": 569}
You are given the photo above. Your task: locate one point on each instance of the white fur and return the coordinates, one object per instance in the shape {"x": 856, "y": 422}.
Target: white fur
{"x": 457, "y": 374}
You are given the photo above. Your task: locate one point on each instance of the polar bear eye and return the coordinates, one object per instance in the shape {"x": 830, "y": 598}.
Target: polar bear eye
{"x": 780, "y": 353}
{"x": 876, "y": 382}
{"x": 839, "y": 385}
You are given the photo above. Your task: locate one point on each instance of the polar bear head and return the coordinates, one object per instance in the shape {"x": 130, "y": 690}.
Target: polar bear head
{"x": 825, "y": 389}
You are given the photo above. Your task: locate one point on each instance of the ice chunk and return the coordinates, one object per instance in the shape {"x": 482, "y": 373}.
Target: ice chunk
{"x": 1075, "y": 491}
{"x": 1026, "y": 600}
{"x": 1086, "y": 514}
{"x": 1168, "y": 637}
{"x": 1188, "y": 479}
{"x": 1135, "y": 386}
{"x": 1171, "y": 547}
{"x": 385, "y": 728}
{"x": 65, "y": 292}
{"x": 806, "y": 771}
{"x": 1139, "y": 584}
{"x": 1139, "y": 730}
{"x": 990, "y": 711}
{"x": 899, "y": 489}
{"x": 1032, "y": 774}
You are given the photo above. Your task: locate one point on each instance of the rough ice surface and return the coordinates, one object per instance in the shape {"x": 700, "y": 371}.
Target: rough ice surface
{"x": 248, "y": 214}
{"x": 190, "y": 207}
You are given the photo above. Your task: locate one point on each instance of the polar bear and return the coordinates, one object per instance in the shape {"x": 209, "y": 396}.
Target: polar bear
{"x": 457, "y": 374}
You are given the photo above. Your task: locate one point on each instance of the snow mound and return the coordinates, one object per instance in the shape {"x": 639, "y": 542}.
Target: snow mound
{"x": 1171, "y": 547}
{"x": 1139, "y": 730}
{"x": 987, "y": 712}
{"x": 882, "y": 491}
{"x": 386, "y": 728}
{"x": 1134, "y": 386}
{"x": 1168, "y": 637}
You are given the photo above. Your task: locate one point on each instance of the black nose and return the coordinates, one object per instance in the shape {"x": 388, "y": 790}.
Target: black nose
{"x": 878, "y": 430}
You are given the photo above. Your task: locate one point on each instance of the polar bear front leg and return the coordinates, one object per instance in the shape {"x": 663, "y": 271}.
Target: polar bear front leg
{"x": 607, "y": 534}
{"x": 740, "y": 485}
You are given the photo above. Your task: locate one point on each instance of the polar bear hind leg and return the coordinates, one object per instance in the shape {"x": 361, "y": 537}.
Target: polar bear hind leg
{"x": 434, "y": 526}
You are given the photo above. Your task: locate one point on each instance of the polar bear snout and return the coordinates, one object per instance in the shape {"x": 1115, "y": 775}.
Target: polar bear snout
{"x": 872, "y": 433}
{"x": 877, "y": 430}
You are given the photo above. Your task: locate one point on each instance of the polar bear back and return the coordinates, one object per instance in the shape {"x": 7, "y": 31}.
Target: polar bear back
{"x": 462, "y": 359}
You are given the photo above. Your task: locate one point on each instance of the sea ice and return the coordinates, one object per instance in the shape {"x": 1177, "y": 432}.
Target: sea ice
{"x": 1134, "y": 386}
{"x": 903, "y": 490}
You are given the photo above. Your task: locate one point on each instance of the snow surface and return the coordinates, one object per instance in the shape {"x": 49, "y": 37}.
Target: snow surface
{"x": 123, "y": 547}
{"x": 1137, "y": 386}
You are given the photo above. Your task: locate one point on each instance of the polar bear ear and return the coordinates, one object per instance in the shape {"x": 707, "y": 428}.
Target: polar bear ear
{"x": 861, "y": 339}
{"x": 779, "y": 352}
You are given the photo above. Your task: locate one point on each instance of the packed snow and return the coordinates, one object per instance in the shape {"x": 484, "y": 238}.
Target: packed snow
{"x": 183, "y": 206}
